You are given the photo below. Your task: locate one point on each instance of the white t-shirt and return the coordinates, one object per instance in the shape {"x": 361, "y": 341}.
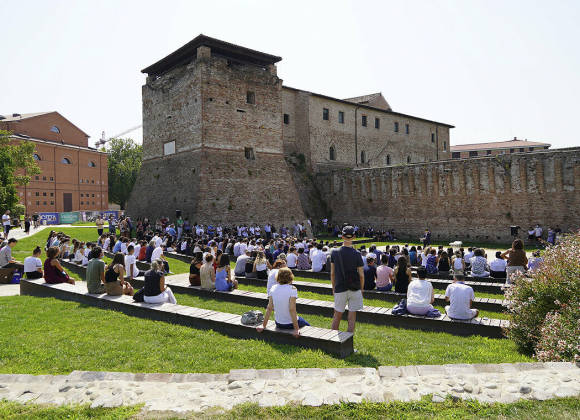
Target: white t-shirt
{"x": 318, "y": 261}
{"x": 79, "y": 256}
{"x": 124, "y": 248}
{"x": 157, "y": 253}
{"x": 419, "y": 293}
{"x": 240, "y": 268}
{"x": 459, "y": 297}
{"x": 423, "y": 259}
{"x": 158, "y": 241}
{"x": 32, "y": 264}
{"x": 5, "y": 220}
{"x": 243, "y": 247}
{"x": 467, "y": 257}
{"x": 291, "y": 260}
{"x": 130, "y": 259}
{"x": 107, "y": 243}
{"x": 498, "y": 265}
{"x": 137, "y": 250}
{"x": 271, "y": 280}
{"x": 237, "y": 249}
{"x": 538, "y": 231}
{"x": 457, "y": 264}
{"x": 281, "y": 294}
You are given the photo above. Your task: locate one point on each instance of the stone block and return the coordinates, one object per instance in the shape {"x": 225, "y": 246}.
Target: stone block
{"x": 242, "y": 375}
{"x": 389, "y": 371}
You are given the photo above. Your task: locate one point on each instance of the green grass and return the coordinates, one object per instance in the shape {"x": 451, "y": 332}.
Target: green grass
{"x": 49, "y": 336}
{"x": 557, "y": 409}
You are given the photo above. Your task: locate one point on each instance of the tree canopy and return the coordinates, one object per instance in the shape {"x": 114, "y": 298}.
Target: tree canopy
{"x": 17, "y": 164}
{"x": 125, "y": 157}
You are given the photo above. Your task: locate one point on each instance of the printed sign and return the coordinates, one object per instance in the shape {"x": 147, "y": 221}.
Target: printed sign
{"x": 48, "y": 218}
{"x": 66, "y": 218}
{"x": 107, "y": 214}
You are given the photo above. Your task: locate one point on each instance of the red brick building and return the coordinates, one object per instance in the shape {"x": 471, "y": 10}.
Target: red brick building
{"x": 496, "y": 148}
{"x": 73, "y": 176}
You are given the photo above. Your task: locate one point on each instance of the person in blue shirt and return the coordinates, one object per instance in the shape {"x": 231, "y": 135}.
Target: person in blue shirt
{"x": 370, "y": 273}
{"x": 413, "y": 255}
{"x": 117, "y": 247}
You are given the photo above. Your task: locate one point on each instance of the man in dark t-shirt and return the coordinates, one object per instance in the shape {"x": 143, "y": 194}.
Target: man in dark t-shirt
{"x": 346, "y": 275}
{"x": 370, "y": 272}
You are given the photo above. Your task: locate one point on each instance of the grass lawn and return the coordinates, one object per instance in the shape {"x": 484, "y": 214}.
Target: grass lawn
{"x": 564, "y": 408}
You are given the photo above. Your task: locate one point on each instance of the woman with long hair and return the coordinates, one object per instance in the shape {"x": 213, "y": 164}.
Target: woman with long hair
{"x": 223, "y": 276}
{"x": 196, "y": 262}
{"x": 115, "y": 284}
{"x": 53, "y": 271}
{"x": 261, "y": 265}
{"x": 402, "y": 275}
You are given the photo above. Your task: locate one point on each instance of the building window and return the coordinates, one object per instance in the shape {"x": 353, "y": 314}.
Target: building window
{"x": 36, "y": 156}
{"x": 522, "y": 149}
{"x": 52, "y": 194}
{"x": 396, "y": 127}
{"x": 44, "y": 203}
{"x": 546, "y": 147}
{"x": 44, "y": 178}
{"x": 92, "y": 164}
{"x": 408, "y": 159}
{"x": 531, "y": 149}
{"x": 432, "y": 137}
{"x": 82, "y": 195}
{"x": 168, "y": 148}
{"x": 325, "y": 114}
{"x": 377, "y": 123}
{"x": 82, "y": 203}
{"x": 332, "y": 153}
{"x": 488, "y": 152}
{"x": 92, "y": 181}
{"x": 66, "y": 161}
{"x": 364, "y": 120}
{"x": 93, "y": 195}
{"x": 37, "y": 193}
{"x": 52, "y": 178}
{"x": 250, "y": 97}
{"x": 445, "y": 146}
{"x": 388, "y": 159}
{"x": 55, "y": 129}
{"x": 406, "y": 128}
{"x": 52, "y": 203}
{"x": 286, "y": 119}
{"x": 341, "y": 117}
{"x": 473, "y": 153}
{"x": 249, "y": 153}
{"x": 362, "y": 156}
{"x": 512, "y": 150}
{"x": 36, "y": 177}
{"x": 455, "y": 155}
{"x": 44, "y": 194}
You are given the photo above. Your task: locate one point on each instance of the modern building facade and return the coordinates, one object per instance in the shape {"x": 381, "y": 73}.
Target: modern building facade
{"x": 463, "y": 151}
{"x": 73, "y": 176}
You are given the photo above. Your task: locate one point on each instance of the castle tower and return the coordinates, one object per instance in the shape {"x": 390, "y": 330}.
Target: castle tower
{"x": 212, "y": 138}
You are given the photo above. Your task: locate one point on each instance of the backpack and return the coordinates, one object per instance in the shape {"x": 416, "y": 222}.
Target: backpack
{"x": 252, "y": 318}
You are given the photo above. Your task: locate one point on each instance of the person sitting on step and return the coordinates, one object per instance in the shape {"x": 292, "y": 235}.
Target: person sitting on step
{"x": 432, "y": 261}
{"x": 196, "y": 263}
{"x": 420, "y": 295}
{"x": 385, "y": 275}
{"x": 207, "y": 273}
{"x": 479, "y": 266}
{"x": 115, "y": 284}
{"x": 370, "y": 274}
{"x": 53, "y": 271}
{"x": 497, "y": 266}
{"x": 223, "y": 276}
{"x": 282, "y": 301}
{"x": 155, "y": 289}
{"x": 460, "y": 296}
{"x": 33, "y": 265}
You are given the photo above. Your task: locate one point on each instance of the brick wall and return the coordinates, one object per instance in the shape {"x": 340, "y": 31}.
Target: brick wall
{"x": 470, "y": 199}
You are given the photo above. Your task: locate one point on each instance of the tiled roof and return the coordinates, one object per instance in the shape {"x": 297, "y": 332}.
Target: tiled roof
{"x": 11, "y": 117}
{"x": 497, "y": 145}
{"x": 364, "y": 98}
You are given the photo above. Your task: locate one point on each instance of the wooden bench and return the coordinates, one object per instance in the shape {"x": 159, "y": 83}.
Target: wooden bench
{"x": 331, "y": 341}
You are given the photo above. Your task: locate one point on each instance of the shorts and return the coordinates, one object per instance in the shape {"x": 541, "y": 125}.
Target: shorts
{"x": 114, "y": 288}
{"x": 354, "y": 299}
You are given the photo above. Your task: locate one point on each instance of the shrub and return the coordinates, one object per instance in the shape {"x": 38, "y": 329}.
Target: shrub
{"x": 545, "y": 306}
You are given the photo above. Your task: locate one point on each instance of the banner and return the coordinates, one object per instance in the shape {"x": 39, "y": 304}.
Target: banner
{"x": 66, "y": 218}
{"x": 107, "y": 214}
{"x": 48, "y": 218}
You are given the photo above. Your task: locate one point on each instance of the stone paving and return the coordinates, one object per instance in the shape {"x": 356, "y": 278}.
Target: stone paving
{"x": 184, "y": 393}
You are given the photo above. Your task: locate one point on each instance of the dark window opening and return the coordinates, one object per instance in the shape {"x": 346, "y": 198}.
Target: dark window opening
{"x": 522, "y": 149}
{"x": 325, "y": 114}
{"x": 396, "y": 127}
{"x": 432, "y": 137}
{"x": 408, "y": 159}
{"x": 377, "y": 123}
{"x": 249, "y": 153}
{"x": 92, "y": 164}
{"x": 456, "y": 155}
{"x": 531, "y": 149}
{"x": 364, "y": 121}
{"x": 406, "y": 128}
{"x": 341, "y": 117}
{"x": 37, "y": 193}
{"x": 44, "y": 178}
{"x": 36, "y": 157}
{"x": 388, "y": 160}
{"x": 512, "y": 150}
{"x": 250, "y": 97}
{"x": 36, "y": 177}
{"x": 286, "y": 119}
{"x": 240, "y": 110}
{"x": 44, "y": 194}
{"x": 332, "y": 153}
{"x": 445, "y": 146}
{"x": 488, "y": 152}
{"x": 473, "y": 153}
{"x": 66, "y": 161}
{"x": 362, "y": 156}
{"x": 52, "y": 178}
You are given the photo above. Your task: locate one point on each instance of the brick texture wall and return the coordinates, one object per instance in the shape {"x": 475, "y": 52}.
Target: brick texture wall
{"x": 472, "y": 199}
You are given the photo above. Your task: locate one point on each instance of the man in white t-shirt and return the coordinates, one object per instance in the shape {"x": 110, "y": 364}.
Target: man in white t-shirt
{"x": 468, "y": 256}
{"x": 157, "y": 254}
{"x": 6, "y": 223}
{"x": 292, "y": 258}
{"x": 237, "y": 249}
{"x": 318, "y": 260}
{"x": 243, "y": 247}
{"x": 420, "y": 295}
{"x": 460, "y": 296}
{"x": 131, "y": 263}
{"x": 240, "y": 268}
{"x": 538, "y": 232}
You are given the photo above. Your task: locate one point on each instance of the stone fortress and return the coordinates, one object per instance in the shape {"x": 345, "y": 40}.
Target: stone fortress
{"x": 225, "y": 142}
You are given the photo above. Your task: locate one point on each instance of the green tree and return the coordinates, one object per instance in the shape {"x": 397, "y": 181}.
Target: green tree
{"x": 125, "y": 157}
{"x": 17, "y": 164}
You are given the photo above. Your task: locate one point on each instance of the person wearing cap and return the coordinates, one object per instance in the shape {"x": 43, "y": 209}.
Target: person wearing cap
{"x": 347, "y": 278}
{"x": 460, "y": 296}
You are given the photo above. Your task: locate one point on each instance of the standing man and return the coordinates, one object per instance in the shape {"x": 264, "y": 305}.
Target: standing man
{"x": 179, "y": 223}
{"x": 347, "y": 278}
{"x": 112, "y": 228}
{"x": 100, "y": 224}
{"x": 6, "y": 223}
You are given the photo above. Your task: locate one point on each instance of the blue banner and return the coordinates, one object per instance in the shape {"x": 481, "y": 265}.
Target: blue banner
{"x": 49, "y": 218}
{"x": 107, "y": 214}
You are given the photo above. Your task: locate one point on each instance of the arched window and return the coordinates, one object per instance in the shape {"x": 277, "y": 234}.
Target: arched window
{"x": 66, "y": 161}
{"x": 388, "y": 159}
{"x": 332, "y": 153}
{"x": 362, "y": 156}
{"x": 55, "y": 129}
{"x": 408, "y": 159}
{"x": 36, "y": 156}
{"x": 92, "y": 164}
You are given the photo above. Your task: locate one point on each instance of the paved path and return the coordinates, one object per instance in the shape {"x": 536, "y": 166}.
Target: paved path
{"x": 184, "y": 393}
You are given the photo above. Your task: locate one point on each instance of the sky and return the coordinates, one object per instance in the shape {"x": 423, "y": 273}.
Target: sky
{"x": 494, "y": 69}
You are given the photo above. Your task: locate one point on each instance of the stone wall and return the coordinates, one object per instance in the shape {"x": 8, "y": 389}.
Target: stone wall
{"x": 469, "y": 199}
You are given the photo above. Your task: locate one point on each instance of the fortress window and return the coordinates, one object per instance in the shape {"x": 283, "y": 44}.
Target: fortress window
{"x": 388, "y": 159}
{"x": 512, "y": 150}
{"x": 250, "y": 97}
{"x": 473, "y": 153}
{"x": 531, "y": 149}
{"x": 432, "y": 137}
{"x": 364, "y": 121}
{"x": 286, "y": 119}
{"x": 66, "y": 161}
{"x": 36, "y": 157}
{"x": 362, "y": 156}
{"x": 377, "y": 123}
{"x": 455, "y": 155}
{"x": 332, "y": 153}
{"x": 488, "y": 152}
{"x": 249, "y": 152}
{"x": 406, "y": 128}
{"x": 445, "y": 145}
{"x": 408, "y": 159}
{"x": 325, "y": 114}
{"x": 92, "y": 164}
{"x": 169, "y": 148}
{"x": 396, "y": 127}
{"x": 341, "y": 117}
{"x": 522, "y": 149}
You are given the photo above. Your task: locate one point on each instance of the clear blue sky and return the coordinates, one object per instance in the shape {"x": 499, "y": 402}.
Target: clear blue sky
{"x": 494, "y": 69}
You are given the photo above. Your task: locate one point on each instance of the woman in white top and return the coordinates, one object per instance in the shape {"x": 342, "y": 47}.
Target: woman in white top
{"x": 420, "y": 295}
{"x": 278, "y": 264}
{"x": 282, "y": 301}
{"x": 33, "y": 265}
{"x": 261, "y": 266}
{"x": 80, "y": 253}
{"x": 292, "y": 258}
{"x": 458, "y": 263}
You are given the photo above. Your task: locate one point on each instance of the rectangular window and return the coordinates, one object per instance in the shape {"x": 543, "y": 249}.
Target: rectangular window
{"x": 92, "y": 181}
{"x": 432, "y": 137}
{"x": 38, "y": 203}
{"x": 522, "y": 149}
{"x": 44, "y": 194}
{"x": 286, "y": 119}
{"x": 364, "y": 120}
{"x": 325, "y": 114}
{"x": 488, "y": 152}
{"x": 51, "y": 178}
{"x": 36, "y": 177}
{"x": 406, "y": 128}
{"x": 82, "y": 203}
{"x": 341, "y": 117}
{"x": 44, "y": 203}
{"x": 92, "y": 195}
{"x": 249, "y": 153}
{"x": 52, "y": 203}
{"x": 44, "y": 178}
{"x": 52, "y": 194}
{"x": 445, "y": 146}
{"x": 456, "y": 155}
{"x": 377, "y": 123}
{"x": 82, "y": 180}
{"x": 37, "y": 193}
{"x": 169, "y": 148}
{"x": 473, "y": 153}
{"x": 531, "y": 149}
{"x": 396, "y": 127}
{"x": 250, "y": 97}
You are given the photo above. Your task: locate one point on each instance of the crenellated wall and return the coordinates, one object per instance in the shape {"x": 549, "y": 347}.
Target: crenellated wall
{"x": 471, "y": 199}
